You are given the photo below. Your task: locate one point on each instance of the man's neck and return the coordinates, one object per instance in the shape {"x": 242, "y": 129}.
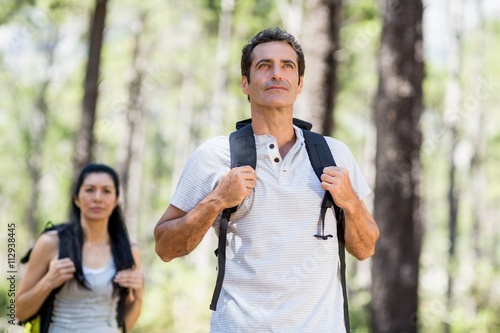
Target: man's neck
{"x": 278, "y": 124}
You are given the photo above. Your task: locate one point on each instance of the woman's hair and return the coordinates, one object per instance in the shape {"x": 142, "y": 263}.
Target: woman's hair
{"x": 120, "y": 243}
{"x": 266, "y": 36}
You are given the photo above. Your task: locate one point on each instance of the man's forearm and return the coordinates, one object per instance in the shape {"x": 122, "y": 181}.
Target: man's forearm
{"x": 178, "y": 237}
{"x": 361, "y": 232}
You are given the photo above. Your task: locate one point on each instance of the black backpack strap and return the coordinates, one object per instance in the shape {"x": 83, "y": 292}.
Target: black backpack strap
{"x": 243, "y": 152}
{"x": 242, "y": 147}
{"x": 45, "y": 311}
{"x": 321, "y": 156}
{"x": 65, "y": 237}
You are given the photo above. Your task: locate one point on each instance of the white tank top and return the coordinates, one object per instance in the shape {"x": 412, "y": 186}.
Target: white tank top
{"x": 81, "y": 310}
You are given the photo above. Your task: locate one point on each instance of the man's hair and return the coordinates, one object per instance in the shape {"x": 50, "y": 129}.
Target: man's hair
{"x": 270, "y": 35}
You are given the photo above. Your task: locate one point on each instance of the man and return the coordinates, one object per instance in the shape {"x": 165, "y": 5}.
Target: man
{"x": 279, "y": 277}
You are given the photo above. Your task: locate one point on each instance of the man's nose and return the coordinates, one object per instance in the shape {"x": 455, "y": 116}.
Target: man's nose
{"x": 276, "y": 72}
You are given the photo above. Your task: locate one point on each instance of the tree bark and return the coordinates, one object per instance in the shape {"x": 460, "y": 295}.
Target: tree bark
{"x": 397, "y": 112}
{"x": 478, "y": 176}
{"x": 216, "y": 120}
{"x": 35, "y": 138}
{"x": 321, "y": 42}
{"x": 291, "y": 12}
{"x": 84, "y": 144}
{"x": 452, "y": 116}
{"x": 136, "y": 113}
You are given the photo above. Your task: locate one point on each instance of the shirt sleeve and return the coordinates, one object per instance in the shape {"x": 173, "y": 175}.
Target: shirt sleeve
{"x": 344, "y": 159}
{"x": 201, "y": 174}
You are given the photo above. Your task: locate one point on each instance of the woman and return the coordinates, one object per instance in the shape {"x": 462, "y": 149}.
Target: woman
{"x": 100, "y": 284}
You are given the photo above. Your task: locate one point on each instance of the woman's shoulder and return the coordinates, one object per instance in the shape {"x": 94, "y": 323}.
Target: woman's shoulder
{"x": 49, "y": 240}
{"x": 134, "y": 248}
{"x": 46, "y": 247}
{"x": 136, "y": 254}
{"x": 50, "y": 237}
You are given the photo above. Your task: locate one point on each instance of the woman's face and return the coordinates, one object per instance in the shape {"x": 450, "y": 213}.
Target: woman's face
{"x": 96, "y": 197}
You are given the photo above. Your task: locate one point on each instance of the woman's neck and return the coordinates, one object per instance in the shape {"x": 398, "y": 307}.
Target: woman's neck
{"x": 95, "y": 233}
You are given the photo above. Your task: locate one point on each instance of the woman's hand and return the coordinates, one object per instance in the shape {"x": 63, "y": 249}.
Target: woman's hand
{"x": 60, "y": 271}
{"x": 132, "y": 279}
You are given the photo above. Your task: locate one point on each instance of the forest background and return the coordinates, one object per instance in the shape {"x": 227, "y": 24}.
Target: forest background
{"x": 169, "y": 78}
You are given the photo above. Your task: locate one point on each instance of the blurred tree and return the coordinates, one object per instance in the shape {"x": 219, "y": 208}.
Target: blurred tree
{"x": 451, "y": 117}
{"x": 10, "y": 8}
{"x": 321, "y": 43}
{"x": 397, "y": 112}
{"x": 84, "y": 142}
{"x": 222, "y": 54}
{"x": 477, "y": 164}
{"x": 136, "y": 114}
{"x": 34, "y": 135}
{"x": 292, "y": 13}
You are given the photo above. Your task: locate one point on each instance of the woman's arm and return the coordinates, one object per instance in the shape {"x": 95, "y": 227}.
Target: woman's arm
{"x": 134, "y": 280}
{"x": 43, "y": 274}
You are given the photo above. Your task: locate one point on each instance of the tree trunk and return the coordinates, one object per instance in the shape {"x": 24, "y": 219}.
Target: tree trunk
{"x": 321, "y": 42}
{"x": 84, "y": 144}
{"x": 131, "y": 165}
{"x": 452, "y": 115}
{"x": 397, "y": 112}
{"x": 216, "y": 120}
{"x": 35, "y": 138}
{"x": 478, "y": 176}
{"x": 291, "y": 12}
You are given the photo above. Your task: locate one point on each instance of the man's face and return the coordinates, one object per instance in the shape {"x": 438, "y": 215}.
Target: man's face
{"x": 274, "y": 76}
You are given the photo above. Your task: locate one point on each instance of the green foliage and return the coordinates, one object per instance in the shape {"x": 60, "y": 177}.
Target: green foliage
{"x": 10, "y": 8}
{"x": 364, "y": 10}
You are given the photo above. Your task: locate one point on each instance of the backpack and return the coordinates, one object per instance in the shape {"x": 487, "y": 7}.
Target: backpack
{"x": 243, "y": 152}
{"x": 40, "y": 321}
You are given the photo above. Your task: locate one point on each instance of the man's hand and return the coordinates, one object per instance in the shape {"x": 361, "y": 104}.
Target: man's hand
{"x": 236, "y": 185}
{"x": 336, "y": 181}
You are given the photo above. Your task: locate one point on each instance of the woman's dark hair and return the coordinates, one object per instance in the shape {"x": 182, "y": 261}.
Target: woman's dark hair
{"x": 266, "y": 36}
{"x": 120, "y": 243}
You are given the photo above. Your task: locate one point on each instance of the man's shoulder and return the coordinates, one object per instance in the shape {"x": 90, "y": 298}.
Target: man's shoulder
{"x": 218, "y": 142}
{"x": 212, "y": 150}
{"x": 335, "y": 143}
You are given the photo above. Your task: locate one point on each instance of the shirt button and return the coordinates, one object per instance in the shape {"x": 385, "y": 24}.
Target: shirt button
{"x": 271, "y": 146}
{"x": 276, "y": 160}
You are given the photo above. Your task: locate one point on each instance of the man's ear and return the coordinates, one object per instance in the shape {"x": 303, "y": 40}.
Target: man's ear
{"x": 301, "y": 83}
{"x": 244, "y": 84}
